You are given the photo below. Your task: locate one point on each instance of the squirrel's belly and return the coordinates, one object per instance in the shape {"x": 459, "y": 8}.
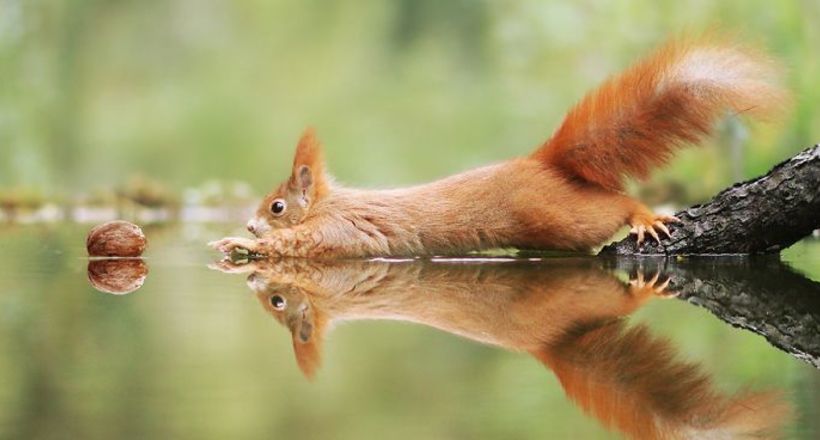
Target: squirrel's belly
{"x": 576, "y": 234}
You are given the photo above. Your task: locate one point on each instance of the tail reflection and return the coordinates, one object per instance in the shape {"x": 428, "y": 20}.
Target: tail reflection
{"x": 566, "y": 314}
{"x": 633, "y": 381}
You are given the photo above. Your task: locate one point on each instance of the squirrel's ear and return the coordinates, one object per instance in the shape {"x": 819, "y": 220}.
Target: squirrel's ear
{"x": 307, "y": 341}
{"x": 308, "y": 175}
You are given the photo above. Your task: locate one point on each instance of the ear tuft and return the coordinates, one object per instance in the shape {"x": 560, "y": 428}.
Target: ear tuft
{"x": 308, "y": 166}
{"x": 308, "y": 151}
{"x": 307, "y": 341}
{"x": 307, "y": 356}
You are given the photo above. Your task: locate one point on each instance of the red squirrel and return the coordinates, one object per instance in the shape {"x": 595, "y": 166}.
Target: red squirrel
{"x": 566, "y": 195}
{"x": 569, "y": 314}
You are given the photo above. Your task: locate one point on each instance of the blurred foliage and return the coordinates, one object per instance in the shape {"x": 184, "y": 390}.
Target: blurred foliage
{"x": 220, "y": 193}
{"x": 20, "y": 197}
{"x": 147, "y": 192}
{"x": 401, "y": 91}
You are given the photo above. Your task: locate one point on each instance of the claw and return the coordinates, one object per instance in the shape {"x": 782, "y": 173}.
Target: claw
{"x": 652, "y": 225}
{"x": 219, "y": 245}
{"x": 231, "y": 244}
{"x": 662, "y": 292}
{"x": 639, "y": 231}
{"x": 654, "y": 234}
{"x": 227, "y": 265}
{"x": 659, "y": 224}
{"x": 639, "y": 282}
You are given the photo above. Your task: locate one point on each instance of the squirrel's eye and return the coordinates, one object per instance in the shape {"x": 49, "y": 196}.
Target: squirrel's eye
{"x": 278, "y": 302}
{"x": 278, "y": 206}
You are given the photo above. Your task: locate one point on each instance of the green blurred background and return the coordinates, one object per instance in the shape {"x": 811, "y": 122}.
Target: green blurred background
{"x": 95, "y": 92}
{"x": 183, "y": 91}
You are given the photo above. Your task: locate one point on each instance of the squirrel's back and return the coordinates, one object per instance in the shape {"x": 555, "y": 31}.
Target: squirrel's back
{"x": 636, "y": 120}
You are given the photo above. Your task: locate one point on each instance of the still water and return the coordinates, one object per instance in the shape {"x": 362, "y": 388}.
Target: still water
{"x": 558, "y": 348}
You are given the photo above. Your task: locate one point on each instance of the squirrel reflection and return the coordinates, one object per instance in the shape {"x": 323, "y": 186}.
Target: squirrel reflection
{"x": 566, "y": 314}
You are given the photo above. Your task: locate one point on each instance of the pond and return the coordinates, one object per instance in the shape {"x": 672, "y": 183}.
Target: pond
{"x": 479, "y": 348}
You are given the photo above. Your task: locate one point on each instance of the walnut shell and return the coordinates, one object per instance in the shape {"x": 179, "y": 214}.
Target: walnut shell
{"x": 117, "y": 276}
{"x": 115, "y": 239}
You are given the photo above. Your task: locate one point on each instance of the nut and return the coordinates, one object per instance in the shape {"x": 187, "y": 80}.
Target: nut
{"x": 117, "y": 276}
{"x": 115, "y": 239}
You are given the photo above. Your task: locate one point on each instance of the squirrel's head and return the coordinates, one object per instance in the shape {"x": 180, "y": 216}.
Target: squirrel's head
{"x": 290, "y": 203}
{"x": 293, "y": 308}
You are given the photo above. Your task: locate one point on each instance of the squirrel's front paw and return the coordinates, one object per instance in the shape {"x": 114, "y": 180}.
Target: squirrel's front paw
{"x": 228, "y": 265}
{"x": 230, "y": 245}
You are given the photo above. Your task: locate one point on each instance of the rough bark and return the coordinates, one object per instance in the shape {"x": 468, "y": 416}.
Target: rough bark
{"x": 760, "y": 294}
{"x": 763, "y": 215}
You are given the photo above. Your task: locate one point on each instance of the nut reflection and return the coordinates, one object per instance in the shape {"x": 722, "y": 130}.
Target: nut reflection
{"x": 117, "y": 276}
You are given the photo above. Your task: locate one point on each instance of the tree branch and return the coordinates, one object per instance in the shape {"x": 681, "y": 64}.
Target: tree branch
{"x": 763, "y": 215}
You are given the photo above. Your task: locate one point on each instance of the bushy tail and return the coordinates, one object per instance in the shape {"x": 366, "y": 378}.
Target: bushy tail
{"x": 750, "y": 415}
{"x": 635, "y": 121}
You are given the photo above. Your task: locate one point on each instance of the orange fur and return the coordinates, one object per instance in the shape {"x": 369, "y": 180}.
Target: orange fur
{"x": 635, "y": 121}
{"x": 633, "y": 382}
{"x": 309, "y": 154}
{"x": 567, "y": 314}
{"x": 564, "y": 196}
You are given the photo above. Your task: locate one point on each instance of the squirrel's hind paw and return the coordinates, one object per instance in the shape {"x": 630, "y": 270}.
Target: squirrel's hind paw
{"x": 653, "y": 286}
{"x": 649, "y": 223}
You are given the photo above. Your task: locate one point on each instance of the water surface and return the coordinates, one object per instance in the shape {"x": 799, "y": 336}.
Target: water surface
{"x": 562, "y": 348}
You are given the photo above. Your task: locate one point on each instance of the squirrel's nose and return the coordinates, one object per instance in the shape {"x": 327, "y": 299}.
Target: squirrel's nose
{"x": 251, "y": 228}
